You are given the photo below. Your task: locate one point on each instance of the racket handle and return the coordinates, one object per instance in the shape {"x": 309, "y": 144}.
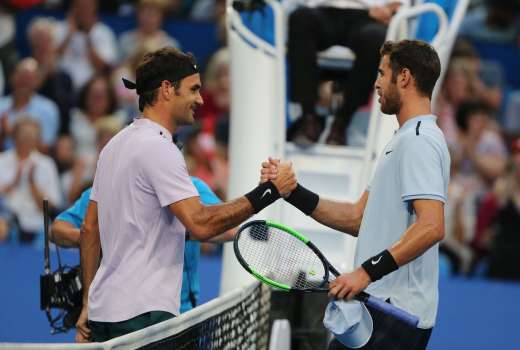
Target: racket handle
{"x": 388, "y": 308}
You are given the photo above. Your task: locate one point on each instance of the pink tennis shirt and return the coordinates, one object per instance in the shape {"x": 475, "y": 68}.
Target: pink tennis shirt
{"x": 139, "y": 173}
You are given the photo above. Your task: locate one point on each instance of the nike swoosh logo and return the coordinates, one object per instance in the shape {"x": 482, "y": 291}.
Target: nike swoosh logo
{"x": 388, "y": 152}
{"x": 374, "y": 262}
{"x": 268, "y": 191}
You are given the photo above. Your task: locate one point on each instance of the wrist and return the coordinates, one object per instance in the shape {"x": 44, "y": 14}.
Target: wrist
{"x": 263, "y": 195}
{"x": 380, "y": 265}
{"x": 303, "y": 199}
{"x": 364, "y": 275}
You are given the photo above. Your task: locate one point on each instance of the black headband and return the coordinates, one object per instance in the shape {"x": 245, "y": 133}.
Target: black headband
{"x": 186, "y": 70}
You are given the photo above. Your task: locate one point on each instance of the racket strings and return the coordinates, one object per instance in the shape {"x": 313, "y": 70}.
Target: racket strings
{"x": 281, "y": 257}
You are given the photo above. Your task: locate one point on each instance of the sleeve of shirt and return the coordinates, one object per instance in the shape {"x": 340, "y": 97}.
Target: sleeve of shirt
{"x": 167, "y": 174}
{"x": 76, "y": 213}
{"x": 421, "y": 171}
{"x": 207, "y": 196}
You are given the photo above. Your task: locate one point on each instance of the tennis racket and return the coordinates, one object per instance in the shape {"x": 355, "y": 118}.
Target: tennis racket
{"x": 285, "y": 259}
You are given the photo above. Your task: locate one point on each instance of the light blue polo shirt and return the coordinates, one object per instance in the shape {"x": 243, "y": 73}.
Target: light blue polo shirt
{"x": 414, "y": 165}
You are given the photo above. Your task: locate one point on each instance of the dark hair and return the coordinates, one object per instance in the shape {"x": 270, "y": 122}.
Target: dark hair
{"x": 417, "y": 56}
{"x": 112, "y": 99}
{"x": 161, "y": 63}
{"x": 468, "y": 109}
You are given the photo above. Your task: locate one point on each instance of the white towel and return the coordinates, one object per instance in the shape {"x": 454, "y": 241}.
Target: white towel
{"x": 349, "y": 321}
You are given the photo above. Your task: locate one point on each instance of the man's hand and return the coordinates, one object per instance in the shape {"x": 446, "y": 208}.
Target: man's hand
{"x": 285, "y": 180}
{"x": 382, "y": 14}
{"x": 82, "y": 330}
{"x": 269, "y": 170}
{"x": 347, "y": 285}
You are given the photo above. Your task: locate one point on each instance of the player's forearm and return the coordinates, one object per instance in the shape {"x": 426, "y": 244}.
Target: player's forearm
{"x": 340, "y": 216}
{"x": 65, "y": 234}
{"x": 90, "y": 249}
{"x": 224, "y": 237}
{"x": 215, "y": 219}
{"x": 419, "y": 237}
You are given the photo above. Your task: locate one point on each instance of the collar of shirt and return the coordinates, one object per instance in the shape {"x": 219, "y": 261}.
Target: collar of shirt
{"x": 412, "y": 123}
{"x": 143, "y": 122}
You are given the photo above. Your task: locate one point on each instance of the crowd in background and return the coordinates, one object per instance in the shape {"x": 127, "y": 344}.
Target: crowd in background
{"x": 61, "y": 104}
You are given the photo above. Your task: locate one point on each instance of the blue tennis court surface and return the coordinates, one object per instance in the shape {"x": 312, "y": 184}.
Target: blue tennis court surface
{"x": 473, "y": 315}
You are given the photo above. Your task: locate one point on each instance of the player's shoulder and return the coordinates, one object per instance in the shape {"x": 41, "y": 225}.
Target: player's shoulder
{"x": 423, "y": 131}
{"x": 424, "y": 136}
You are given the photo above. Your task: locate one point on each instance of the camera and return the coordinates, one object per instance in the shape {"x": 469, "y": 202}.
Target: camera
{"x": 62, "y": 290}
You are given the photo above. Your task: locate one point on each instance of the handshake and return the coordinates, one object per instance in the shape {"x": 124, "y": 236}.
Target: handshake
{"x": 281, "y": 174}
{"x": 278, "y": 175}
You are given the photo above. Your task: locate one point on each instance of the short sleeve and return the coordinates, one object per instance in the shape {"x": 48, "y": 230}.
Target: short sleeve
{"x": 76, "y": 213}
{"x": 207, "y": 196}
{"x": 421, "y": 170}
{"x": 165, "y": 171}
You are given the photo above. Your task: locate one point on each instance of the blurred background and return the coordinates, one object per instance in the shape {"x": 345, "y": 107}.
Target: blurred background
{"x": 61, "y": 100}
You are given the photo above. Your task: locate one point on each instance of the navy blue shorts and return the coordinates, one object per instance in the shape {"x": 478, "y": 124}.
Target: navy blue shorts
{"x": 391, "y": 334}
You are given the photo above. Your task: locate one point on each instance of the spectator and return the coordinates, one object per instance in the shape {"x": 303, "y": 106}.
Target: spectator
{"x": 199, "y": 157}
{"x": 479, "y": 149}
{"x": 149, "y": 21}
{"x": 26, "y": 178}
{"x": 85, "y": 45}
{"x": 56, "y": 84}
{"x": 208, "y": 10}
{"x": 76, "y": 173}
{"x": 97, "y": 104}
{"x": 462, "y": 83}
{"x": 24, "y": 101}
{"x": 8, "y": 52}
{"x": 128, "y": 99}
{"x": 460, "y": 225}
{"x": 216, "y": 92}
{"x": 494, "y": 22}
{"x": 505, "y": 242}
{"x": 360, "y": 25}
{"x": 221, "y": 162}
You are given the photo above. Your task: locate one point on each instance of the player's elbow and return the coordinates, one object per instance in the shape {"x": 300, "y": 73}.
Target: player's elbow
{"x": 439, "y": 234}
{"x": 436, "y": 232}
{"x": 200, "y": 232}
{"x": 89, "y": 234}
{"x": 64, "y": 234}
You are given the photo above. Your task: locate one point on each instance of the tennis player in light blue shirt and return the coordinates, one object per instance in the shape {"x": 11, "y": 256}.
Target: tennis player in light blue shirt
{"x": 415, "y": 165}
{"x": 399, "y": 219}
{"x": 190, "y": 274}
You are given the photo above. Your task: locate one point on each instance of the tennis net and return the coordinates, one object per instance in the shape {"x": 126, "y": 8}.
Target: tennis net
{"x": 238, "y": 320}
